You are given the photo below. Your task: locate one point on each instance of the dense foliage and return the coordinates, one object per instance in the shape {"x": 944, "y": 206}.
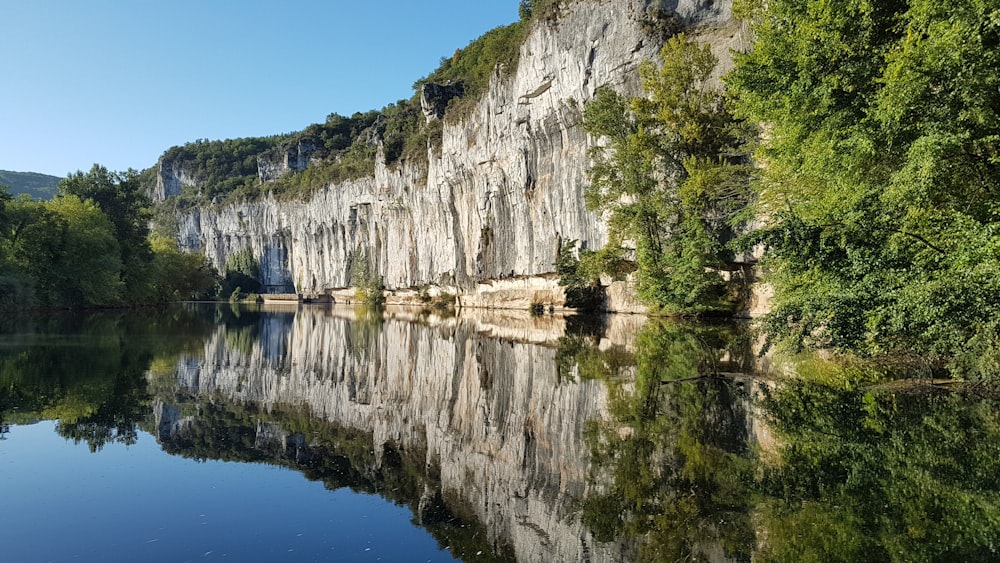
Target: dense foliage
{"x": 90, "y": 246}
{"x": 342, "y": 148}
{"x": 241, "y": 275}
{"x": 672, "y": 178}
{"x": 473, "y": 66}
{"x": 221, "y": 167}
{"x": 881, "y": 169}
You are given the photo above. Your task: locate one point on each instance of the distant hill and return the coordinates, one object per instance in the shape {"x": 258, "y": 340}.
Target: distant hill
{"x": 38, "y": 186}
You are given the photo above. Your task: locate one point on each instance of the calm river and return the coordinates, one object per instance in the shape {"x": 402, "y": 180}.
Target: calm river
{"x": 316, "y": 433}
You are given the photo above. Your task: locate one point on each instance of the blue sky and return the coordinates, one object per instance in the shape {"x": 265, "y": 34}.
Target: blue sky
{"x": 119, "y": 81}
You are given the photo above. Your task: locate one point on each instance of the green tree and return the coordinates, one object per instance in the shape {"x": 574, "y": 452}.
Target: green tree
{"x": 89, "y": 265}
{"x": 120, "y": 196}
{"x": 67, "y": 248}
{"x": 672, "y": 176}
{"x": 179, "y": 275}
{"x": 16, "y": 289}
{"x": 880, "y": 175}
{"x": 524, "y": 10}
{"x": 368, "y": 285}
{"x": 241, "y": 273}
{"x": 5, "y": 222}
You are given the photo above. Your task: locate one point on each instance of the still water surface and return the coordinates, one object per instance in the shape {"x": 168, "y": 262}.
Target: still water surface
{"x": 209, "y": 432}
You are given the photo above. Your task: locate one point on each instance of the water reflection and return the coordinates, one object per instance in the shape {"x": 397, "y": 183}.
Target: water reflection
{"x": 89, "y": 372}
{"x": 896, "y": 473}
{"x": 476, "y": 433}
{"x": 697, "y": 462}
{"x": 510, "y": 437}
{"x": 672, "y": 459}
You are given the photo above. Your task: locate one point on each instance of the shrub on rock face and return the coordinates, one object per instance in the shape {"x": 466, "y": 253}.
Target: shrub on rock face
{"x": 582, "y": 288}
{"x": 241, "y": 273}
{"x": 367, "y": 282}
{"x": 673, "y": 178}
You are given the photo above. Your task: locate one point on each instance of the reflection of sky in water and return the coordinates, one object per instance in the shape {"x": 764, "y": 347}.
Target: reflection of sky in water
{"x": 137, "y": 503}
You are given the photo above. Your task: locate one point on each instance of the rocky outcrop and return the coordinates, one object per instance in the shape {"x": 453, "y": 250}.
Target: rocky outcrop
{"x": 284, "y": 159}
{"x": 434, "y": 98}
{"x": 501, "y": 431}
{"x": 170, "y": 178}
{"x": 502, "y": 194}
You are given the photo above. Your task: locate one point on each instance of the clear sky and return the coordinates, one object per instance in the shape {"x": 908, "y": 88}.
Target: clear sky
{"x": 117, "y": 82}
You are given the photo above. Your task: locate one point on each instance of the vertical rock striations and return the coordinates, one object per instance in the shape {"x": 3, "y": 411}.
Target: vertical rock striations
{"x": 504, "y": 191}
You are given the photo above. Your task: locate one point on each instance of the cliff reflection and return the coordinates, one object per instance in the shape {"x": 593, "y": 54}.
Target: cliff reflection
{"x": 477, "y": 434}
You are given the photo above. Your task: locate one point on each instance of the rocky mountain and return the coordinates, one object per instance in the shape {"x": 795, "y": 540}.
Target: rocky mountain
{"x": 486, "y": 214}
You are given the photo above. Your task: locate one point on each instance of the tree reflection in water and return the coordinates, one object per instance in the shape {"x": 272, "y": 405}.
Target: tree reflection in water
{"x": 695, "y": 463}
{"x": 88, "y": 372}
{"x": 890, "y": 474}
{"x": 672, "y": 462}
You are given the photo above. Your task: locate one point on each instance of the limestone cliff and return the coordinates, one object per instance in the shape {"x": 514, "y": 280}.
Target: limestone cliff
{"x": 498, "y": 199}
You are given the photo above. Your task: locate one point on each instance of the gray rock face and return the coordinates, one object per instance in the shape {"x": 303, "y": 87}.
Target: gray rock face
{"x": 170, "y": 177}
{"x": 434, "y": 98}
{"x": 503, "y": 193}
{"x": 481, "y": 396}
{"x": 284, "y": 159}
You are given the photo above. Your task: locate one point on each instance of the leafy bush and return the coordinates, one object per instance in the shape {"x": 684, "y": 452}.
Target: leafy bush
{"x": 368, "y": 285}
{"x": 241, "y": 274}
{"x": 16, "y": 290}
{"x": 880, "y": 189}
{"x": 582, "y": 288}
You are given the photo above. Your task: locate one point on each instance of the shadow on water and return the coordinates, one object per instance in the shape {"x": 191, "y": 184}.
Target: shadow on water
{"x": 534, "y": 438}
